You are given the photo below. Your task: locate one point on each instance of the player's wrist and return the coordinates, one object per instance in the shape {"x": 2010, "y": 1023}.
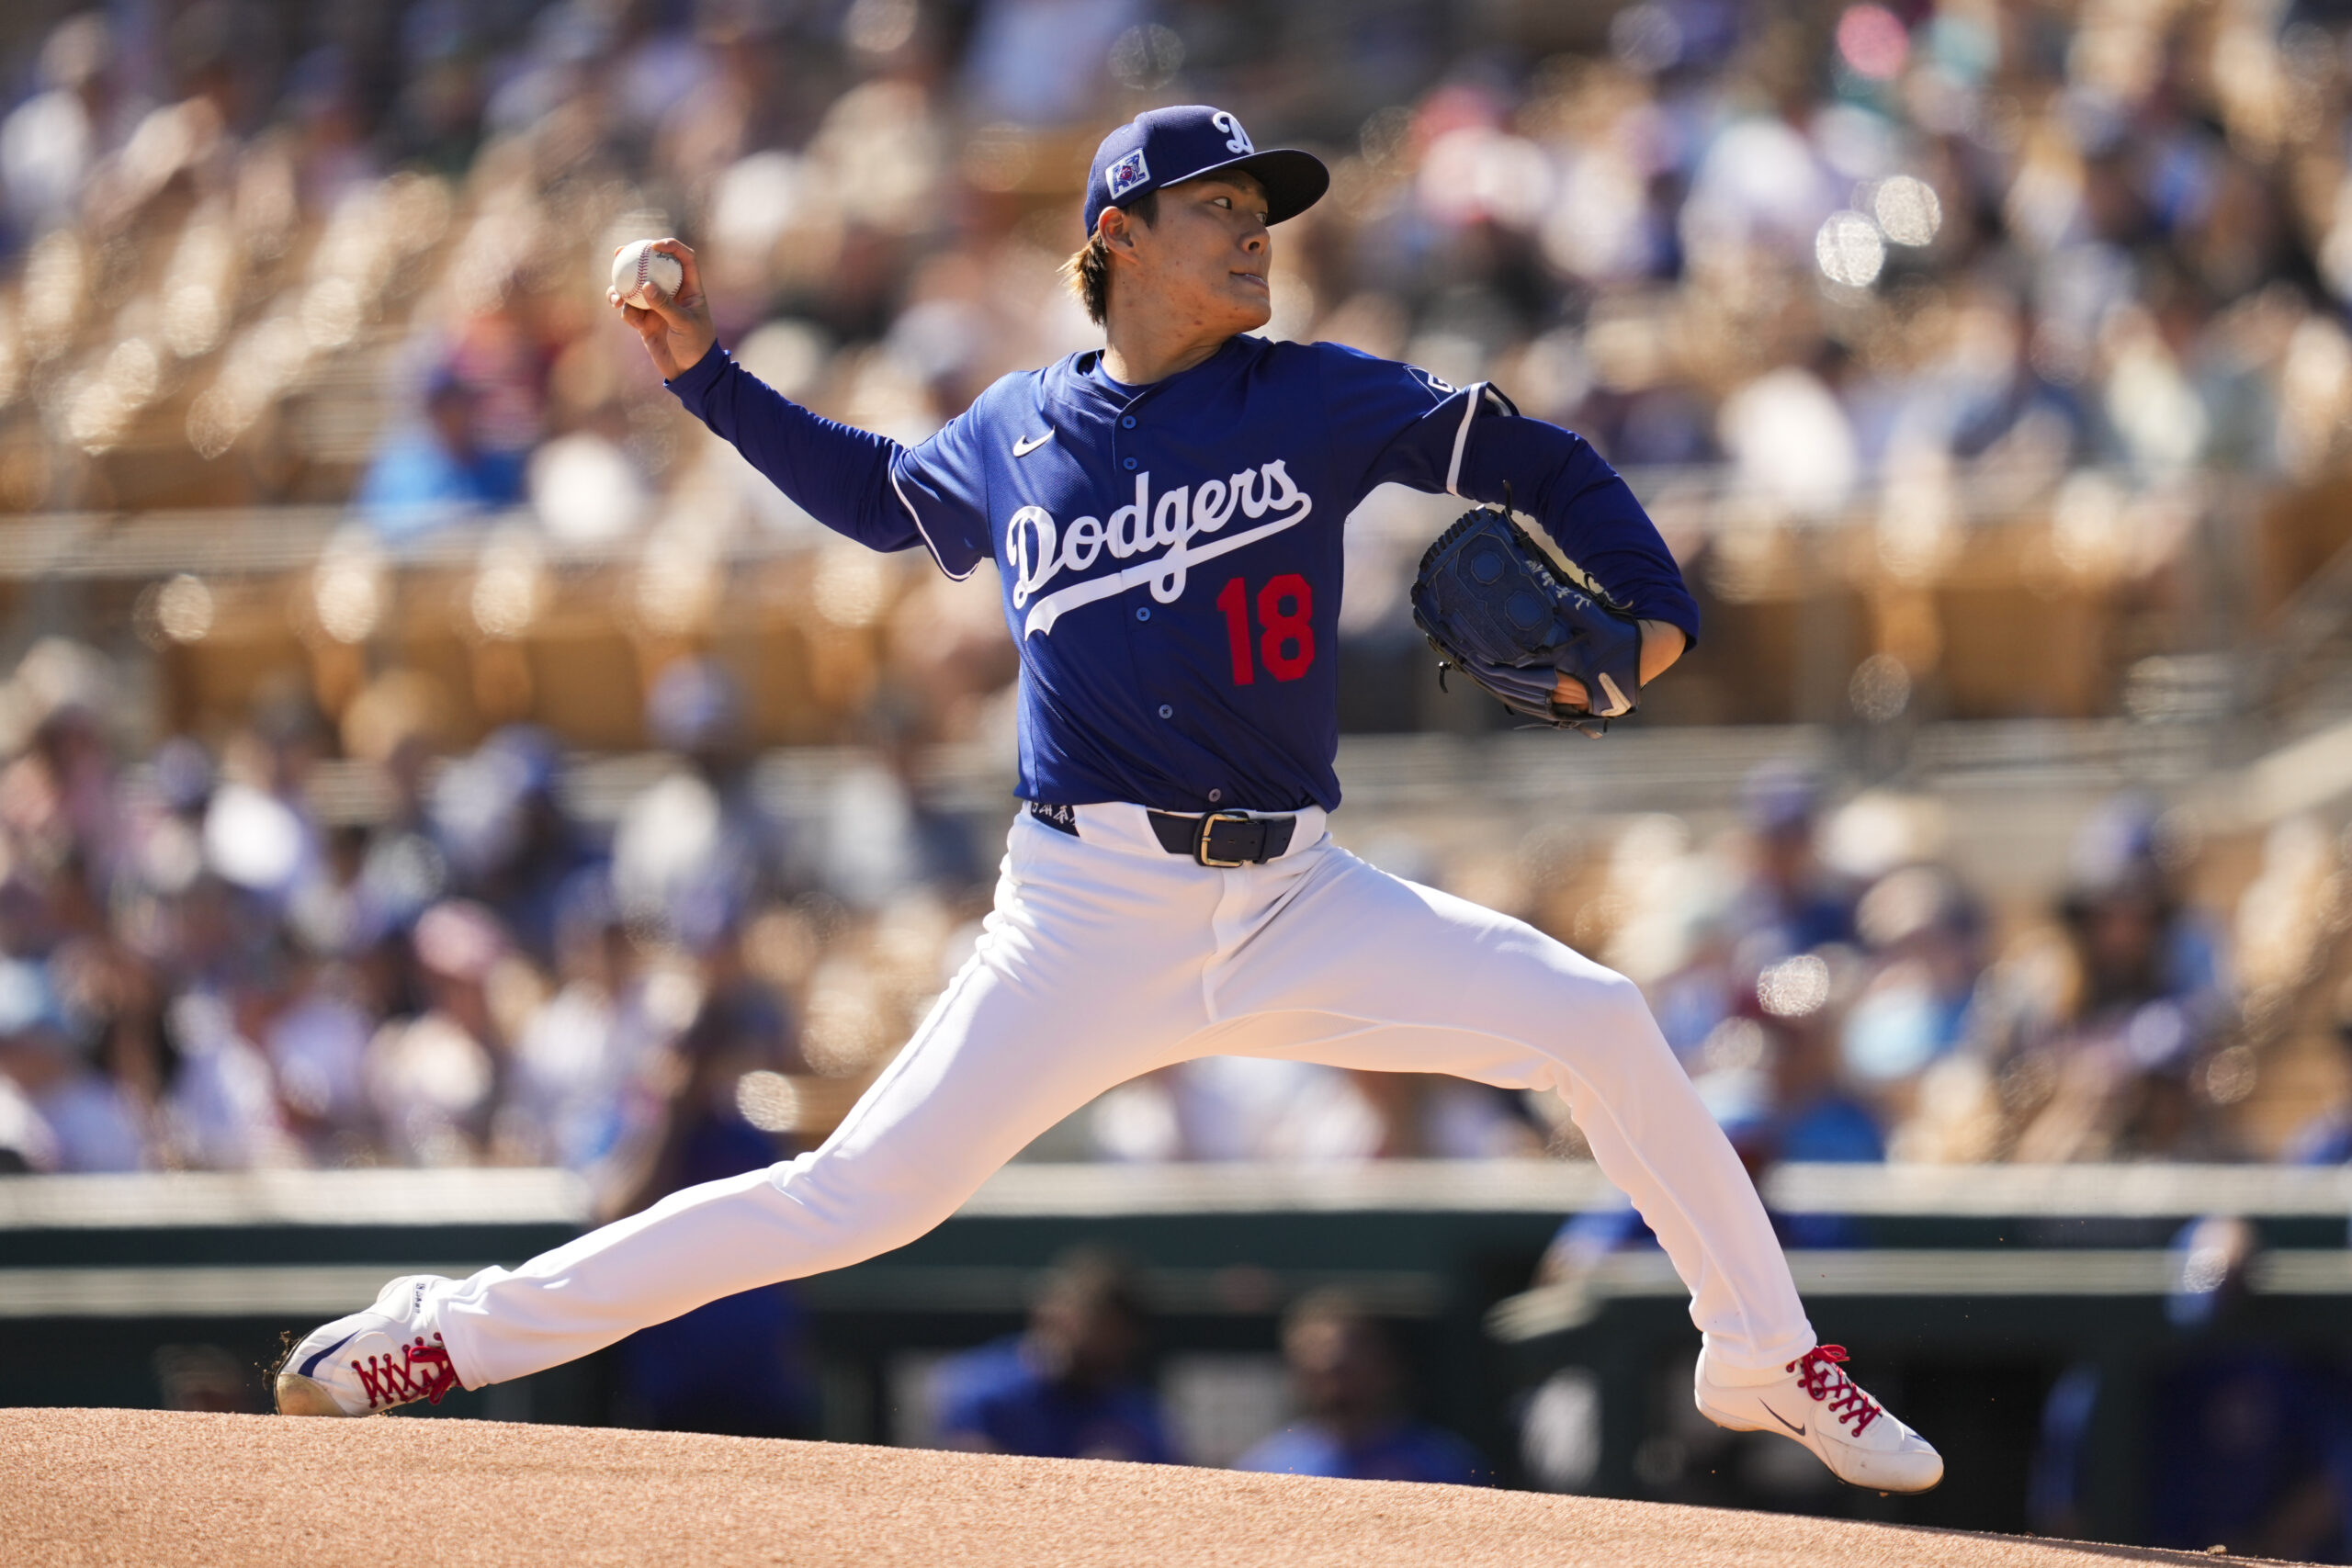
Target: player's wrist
{"x": 1663, "y": 643}
{"x": 684, "y": 376}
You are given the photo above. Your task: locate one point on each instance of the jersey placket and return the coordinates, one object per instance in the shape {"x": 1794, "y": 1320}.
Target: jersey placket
{"x": 1127, "y": 462}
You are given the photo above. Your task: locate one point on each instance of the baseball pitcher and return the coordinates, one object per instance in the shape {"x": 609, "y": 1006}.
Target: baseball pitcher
{"x": 1164, "y": 515}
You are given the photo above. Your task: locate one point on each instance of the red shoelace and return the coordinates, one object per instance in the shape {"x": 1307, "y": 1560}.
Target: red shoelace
{"x": 423, "y": 1372}
{"x": 1826, "y": 1380}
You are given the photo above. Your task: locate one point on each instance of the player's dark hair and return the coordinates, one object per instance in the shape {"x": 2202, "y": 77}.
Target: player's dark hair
{"x": 1087, "y": 271}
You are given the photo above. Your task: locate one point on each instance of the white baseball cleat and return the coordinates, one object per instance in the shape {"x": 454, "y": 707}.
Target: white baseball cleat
{"x": 371, "y": 1361}
{"x": 1816, "y": 1404}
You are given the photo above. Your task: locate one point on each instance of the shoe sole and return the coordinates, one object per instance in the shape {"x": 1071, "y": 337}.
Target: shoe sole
{"x": 298, "y": 1396}
{"x": 1882, "y": 1488}
{"x": 1726, "y": 1423}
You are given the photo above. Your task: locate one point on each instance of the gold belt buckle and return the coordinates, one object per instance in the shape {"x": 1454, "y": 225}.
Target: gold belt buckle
{"x": 1201, "y": 840}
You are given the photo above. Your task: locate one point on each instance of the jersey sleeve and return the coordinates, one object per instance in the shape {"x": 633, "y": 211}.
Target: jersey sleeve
{"x": 1394, "y": 423}
{"x": 1555, "y": 477}
{"x": 1387, "y": 422}
{"x": 942, "y": 487}
{"x": 857, "y": 483}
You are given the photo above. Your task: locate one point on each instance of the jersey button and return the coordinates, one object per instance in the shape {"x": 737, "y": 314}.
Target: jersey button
{"x": 1129, "y": 422}
{"x": 1131, "y": 465}
{"x": 1216, "y": 796}
{"x": 1144, "y": 614}
{"x": 1167, "y": 712}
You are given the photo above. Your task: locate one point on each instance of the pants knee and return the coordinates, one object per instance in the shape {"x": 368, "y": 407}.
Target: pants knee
{"x": 1608, "y": 1043}
{"x": 854, "y": 1199}
{"x": 1618, "y": 1005}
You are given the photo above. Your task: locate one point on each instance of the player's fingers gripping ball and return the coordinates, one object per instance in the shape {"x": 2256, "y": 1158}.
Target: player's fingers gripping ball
{"x": 1491, "y": 604}
{"x": 643, "y": 276}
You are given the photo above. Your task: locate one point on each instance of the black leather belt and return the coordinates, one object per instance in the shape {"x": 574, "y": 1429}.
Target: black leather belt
{"x": 1223, "y": 839}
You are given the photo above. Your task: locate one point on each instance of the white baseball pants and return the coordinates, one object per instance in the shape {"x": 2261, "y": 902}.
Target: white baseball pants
{"x": 1106, "y": 957}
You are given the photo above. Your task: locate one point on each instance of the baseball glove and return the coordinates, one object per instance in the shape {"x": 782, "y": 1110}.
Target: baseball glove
{"x": 1493, "y": 606}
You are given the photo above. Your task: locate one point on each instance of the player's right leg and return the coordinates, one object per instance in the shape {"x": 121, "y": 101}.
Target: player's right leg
{"x": 1087, "y": 973}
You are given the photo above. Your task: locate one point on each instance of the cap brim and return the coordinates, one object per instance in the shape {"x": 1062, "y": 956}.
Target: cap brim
{"x": 1294, "y": 181}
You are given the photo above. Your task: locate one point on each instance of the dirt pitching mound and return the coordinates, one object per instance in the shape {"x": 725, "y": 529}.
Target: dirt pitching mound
{"x": 211, "y": 1491}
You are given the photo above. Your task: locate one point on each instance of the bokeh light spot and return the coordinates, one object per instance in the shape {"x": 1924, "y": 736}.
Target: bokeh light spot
{"x": 1907, "y": 210}
{"x": 768, "y": 1102}
{"x": 1794, "y": 988}
{"x": 1879, "y": 690}
{"x": 1850, "y": 250}
{"x": 1872, "y": 42}
{"x": 184, "y": 609}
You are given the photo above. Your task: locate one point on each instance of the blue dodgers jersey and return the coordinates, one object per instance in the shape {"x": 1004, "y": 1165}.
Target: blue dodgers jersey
{"x": 1170, "y": 555}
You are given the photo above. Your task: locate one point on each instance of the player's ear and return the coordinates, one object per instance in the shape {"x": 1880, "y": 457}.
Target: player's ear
{"x": 1116, "y": 231}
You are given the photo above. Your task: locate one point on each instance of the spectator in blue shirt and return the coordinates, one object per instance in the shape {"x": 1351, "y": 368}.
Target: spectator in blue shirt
{"x": 1066, "y": 1388}
{"x": 1350, "y": 1393}
{"x": 433, "y": 472}
{"x": 1789, "y": 902}
{"x": 1812, "y": 1117}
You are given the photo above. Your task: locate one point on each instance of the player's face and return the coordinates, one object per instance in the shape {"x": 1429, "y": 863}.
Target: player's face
{"x": 1207, "y": 254}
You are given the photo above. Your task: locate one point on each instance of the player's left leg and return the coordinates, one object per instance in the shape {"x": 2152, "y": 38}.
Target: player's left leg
{"x": 1353, "y": 967}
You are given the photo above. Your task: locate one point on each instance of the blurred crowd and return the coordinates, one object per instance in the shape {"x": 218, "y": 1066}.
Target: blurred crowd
{"x": 203, "y": 969}
{"x": 305, "y": 944}
{"x": 1841, "y": 994}
{"x": 1953, "y": 255}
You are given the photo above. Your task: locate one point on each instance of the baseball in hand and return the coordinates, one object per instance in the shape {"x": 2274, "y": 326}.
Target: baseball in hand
{"x": 640, "y": 273}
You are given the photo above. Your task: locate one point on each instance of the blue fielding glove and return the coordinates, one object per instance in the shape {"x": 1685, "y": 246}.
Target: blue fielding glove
{"x": 1494, "y": 607}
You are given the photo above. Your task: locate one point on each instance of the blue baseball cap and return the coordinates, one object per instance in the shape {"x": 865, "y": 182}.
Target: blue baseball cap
{"x": 1166, "y": 147}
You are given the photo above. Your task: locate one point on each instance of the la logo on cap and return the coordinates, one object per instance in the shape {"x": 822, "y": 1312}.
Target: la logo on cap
{"x": 1165, "y": 147}
{"x": 1127, "y": 173}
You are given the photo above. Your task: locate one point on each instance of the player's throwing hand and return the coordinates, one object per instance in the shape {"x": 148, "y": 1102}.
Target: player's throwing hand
{"x": 677, "y": 330}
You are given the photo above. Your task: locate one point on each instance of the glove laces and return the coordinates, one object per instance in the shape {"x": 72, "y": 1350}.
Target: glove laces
{"x": 1827, "y": 1381}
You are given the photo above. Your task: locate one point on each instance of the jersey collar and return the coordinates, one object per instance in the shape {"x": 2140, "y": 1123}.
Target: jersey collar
{"x": 1074, "y": 381}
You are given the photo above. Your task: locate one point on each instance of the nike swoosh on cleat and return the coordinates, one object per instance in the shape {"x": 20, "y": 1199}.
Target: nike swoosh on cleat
{"x": 311, "y": 1365}
{"x": 1022, "y": 448}
{"x": 1782, "y": 1419}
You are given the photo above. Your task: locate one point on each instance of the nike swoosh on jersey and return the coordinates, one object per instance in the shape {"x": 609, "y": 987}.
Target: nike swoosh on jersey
{"x": 1782, "y": 1419}
{"x": 1023, "y": 446}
